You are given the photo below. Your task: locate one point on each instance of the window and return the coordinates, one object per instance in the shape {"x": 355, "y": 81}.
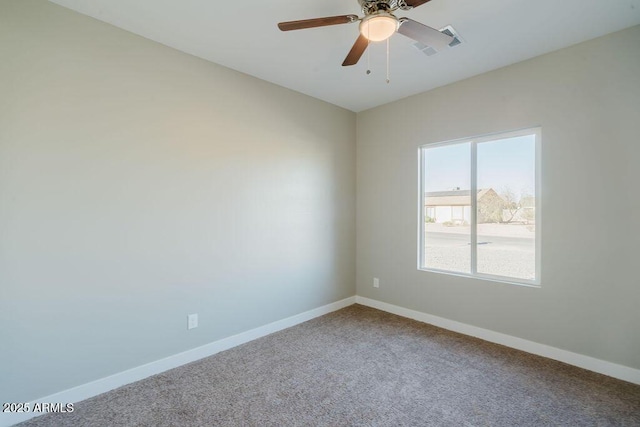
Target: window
{"x": 480, "y": 207}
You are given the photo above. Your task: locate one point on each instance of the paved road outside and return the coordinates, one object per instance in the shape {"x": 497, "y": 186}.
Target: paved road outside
{"x": 501, "y": 242}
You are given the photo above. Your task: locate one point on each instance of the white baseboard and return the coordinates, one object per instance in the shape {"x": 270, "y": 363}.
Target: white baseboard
{"x": 586, "y": 362}
{"x": 103, "y": 385}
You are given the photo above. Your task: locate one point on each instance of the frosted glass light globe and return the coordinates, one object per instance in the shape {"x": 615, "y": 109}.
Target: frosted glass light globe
{"x": 379, "y": 27}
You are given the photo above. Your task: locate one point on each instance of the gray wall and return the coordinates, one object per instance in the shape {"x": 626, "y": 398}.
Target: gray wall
{"x": 586, "y": 98}
{"x": 138, "y": 185}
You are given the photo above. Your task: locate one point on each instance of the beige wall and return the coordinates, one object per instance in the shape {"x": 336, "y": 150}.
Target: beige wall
{"x": 138, "y": 185}
{"x": 586, "y": 98}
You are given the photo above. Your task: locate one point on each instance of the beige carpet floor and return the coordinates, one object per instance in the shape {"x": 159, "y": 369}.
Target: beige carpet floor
{"x": 363, "y": 367}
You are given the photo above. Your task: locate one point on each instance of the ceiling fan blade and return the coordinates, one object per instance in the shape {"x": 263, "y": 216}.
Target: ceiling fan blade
{"x": 416, "y": 3}
{"x": 425, "y": 35}
{"x": 317, "y": 22}
{"x": 356, "y": 51}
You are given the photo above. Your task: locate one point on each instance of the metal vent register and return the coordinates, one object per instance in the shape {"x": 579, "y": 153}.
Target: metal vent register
{"x": 448, "y": 30}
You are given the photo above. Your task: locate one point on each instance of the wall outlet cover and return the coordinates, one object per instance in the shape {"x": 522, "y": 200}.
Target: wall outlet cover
{"x": 192, "y": 321}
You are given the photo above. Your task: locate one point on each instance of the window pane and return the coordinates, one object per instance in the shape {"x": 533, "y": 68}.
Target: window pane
{"x": 447, "y": 208}
{"x": 506, "y": 207}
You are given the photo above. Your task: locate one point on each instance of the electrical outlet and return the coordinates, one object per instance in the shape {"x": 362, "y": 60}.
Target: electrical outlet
{"x": 376, "y": 282}
{"x": 192, "y": 321}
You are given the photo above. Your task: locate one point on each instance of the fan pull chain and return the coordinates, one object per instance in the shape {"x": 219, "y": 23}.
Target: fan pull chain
{"x": 368, "y": 52}
{"x": 388, "y": 79}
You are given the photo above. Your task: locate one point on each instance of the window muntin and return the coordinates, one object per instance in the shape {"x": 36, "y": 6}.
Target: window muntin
{"x": 479, "y": 207}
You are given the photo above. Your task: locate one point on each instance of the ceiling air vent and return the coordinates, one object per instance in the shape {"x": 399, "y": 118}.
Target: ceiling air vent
{"x": 448, "y": 30}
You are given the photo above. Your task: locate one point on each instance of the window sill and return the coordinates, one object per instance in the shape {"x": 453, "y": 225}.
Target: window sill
{"x": 488, "y": 278}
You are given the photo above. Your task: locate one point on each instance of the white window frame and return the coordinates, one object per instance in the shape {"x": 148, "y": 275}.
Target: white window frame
{"x": 473, "y": 142}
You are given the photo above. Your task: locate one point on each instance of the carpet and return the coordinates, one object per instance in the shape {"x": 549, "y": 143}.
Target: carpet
{"x": 363, "y": 367}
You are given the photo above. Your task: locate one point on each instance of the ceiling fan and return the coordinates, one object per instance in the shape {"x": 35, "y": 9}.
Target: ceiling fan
{"x": 378, "y": 24}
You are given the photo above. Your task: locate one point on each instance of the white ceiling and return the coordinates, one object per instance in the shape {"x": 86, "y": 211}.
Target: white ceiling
{"x": 243, "y": 35}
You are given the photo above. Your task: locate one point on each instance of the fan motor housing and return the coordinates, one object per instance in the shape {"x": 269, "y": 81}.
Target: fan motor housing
{"x": 372, "y": 6}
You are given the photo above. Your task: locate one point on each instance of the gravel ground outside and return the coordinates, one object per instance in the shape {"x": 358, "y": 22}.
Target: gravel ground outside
{"x": 513, "y": 257}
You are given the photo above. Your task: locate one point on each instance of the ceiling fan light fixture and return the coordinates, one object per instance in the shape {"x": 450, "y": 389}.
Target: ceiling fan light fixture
{"x": 379, "y": 27}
